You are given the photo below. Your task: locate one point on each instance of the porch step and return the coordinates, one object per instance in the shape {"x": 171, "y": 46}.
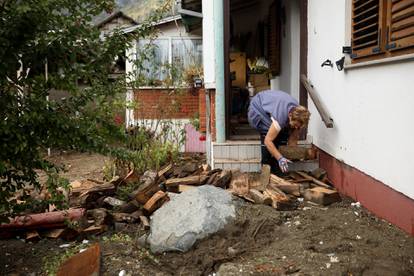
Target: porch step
{"x": 253, "y": 165}
{"x": 246, "y": 156}
{"x": 246, "y": 165}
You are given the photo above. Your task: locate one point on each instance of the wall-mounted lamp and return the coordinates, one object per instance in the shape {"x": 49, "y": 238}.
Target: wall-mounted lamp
{"x": 340, "y": 64}
{"x": 327, "y": 62}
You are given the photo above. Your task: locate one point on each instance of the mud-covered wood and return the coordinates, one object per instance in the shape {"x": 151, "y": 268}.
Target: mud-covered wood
{"x": 86, "y": 263}
{"x": 155, "y": 201}
{"x": 239, "y": 184}
{"x": 322, "y": 195}
{"x": 189, "y": 180}
{"x": 259, "y": 198}
{"x": 314, "y": 180}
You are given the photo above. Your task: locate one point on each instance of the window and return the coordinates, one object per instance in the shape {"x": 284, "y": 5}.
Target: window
{"x": 382, "y": 28}
{"x": 165, "y": 58}
{"x": 154, "y": 57}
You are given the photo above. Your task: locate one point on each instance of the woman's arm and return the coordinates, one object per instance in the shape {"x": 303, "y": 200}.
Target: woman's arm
{"x": 269, "y": 138}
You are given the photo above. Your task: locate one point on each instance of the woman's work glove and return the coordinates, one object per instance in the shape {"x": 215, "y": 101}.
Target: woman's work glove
{"x": 283, "y": 164}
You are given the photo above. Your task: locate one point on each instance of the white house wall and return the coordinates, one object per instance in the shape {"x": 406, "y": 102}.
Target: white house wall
{"x": 290, "y": 50}
{"x": 208, "y": 45}
{"x": 372, "y": 107}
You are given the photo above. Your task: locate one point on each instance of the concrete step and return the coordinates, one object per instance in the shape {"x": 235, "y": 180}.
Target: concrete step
{"x": 237, "y": 150}
{"x": 246, "y": 156}
{"x": 246, "y": 165}
{"x": 253, "y": 165}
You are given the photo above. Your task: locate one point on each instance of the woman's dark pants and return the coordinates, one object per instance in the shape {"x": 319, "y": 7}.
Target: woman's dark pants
{"x": 267, "y": 158}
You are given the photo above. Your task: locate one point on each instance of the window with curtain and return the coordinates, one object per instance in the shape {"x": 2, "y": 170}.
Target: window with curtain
{"x": 169, "y": 57}
{"x": 186, "y": 55}
{"x": 154, "y": 57}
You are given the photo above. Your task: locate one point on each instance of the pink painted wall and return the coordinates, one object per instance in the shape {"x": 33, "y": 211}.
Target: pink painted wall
{"x": 192, "y": 140}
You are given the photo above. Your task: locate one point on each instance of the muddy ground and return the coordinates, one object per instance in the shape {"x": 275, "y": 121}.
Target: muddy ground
{"x": 340, "y": 239}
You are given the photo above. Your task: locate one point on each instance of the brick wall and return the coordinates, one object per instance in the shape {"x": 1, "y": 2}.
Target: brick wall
{"x": 202, "y": 112}
{"x": 165, "y": 104}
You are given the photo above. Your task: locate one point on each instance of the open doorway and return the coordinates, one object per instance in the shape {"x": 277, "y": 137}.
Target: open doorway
{"x": 265, "y": 51}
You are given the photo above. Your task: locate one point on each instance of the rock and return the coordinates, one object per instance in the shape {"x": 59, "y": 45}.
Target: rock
{"x": 114, "y": 202}
{"x": 188, "y": 217}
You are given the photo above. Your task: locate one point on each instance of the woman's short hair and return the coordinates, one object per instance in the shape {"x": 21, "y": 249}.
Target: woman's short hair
{"x": 300, "y": 114}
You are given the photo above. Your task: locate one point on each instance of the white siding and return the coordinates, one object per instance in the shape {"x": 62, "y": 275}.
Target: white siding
{"x": 372, "y": 107}
{"x": 208, "y": 45}
{"x": 289, "y": 74}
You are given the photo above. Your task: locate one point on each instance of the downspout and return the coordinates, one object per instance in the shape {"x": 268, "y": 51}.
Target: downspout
{"x": 208, "y": 129}
{"x": 219, "y": 64}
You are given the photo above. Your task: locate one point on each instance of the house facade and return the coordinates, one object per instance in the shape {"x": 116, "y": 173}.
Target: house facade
{"x": 350, "y": 62}
{"x": 164, "y": 99}
{"x": 357, "y": 56}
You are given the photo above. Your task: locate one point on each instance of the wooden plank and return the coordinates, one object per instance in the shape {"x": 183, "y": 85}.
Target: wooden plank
{"x": 264, "y": 177}
{"x": 321, "y": 195}
{"x": 222, "y": 180}
{"x": 189, "y": 180}
{"x": 145, "y": 222}
{"x": 239, "y": 184}
{"x": 86, "y": 263}
{"x": 155, "y": 201}
{"x": 259, "y": 198}
{"x": 285, "y": 186}
{"x": 314, "y": 180}
{"x": 315, "y": 98}
{"x": 164, "y": 170}
{"x": 145, "y": 191}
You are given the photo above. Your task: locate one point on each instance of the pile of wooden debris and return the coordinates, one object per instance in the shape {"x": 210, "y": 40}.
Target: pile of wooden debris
{"x": 94, "y": 206}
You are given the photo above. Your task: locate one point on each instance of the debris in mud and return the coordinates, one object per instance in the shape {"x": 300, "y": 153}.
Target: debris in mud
{"x": 105, "y": 210}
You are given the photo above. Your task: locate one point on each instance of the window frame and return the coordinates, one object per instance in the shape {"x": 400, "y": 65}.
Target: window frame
{"x": 385, "y": 54}
{"x": 170, "y": 54}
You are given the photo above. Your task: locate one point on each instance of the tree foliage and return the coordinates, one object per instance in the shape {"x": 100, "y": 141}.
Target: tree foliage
{"x": 56, "y": 36}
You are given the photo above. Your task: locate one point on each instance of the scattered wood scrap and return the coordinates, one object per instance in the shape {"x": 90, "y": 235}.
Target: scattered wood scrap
{"x": 155, "y": 201}
{"x": 85, "y": 263}
{"x": 314, "y": 180}
{"x": 239, "y": 184}
{"x": 189, "y": 180}
{"x": 102, "y": 208}
{"x": 322, "y": 196}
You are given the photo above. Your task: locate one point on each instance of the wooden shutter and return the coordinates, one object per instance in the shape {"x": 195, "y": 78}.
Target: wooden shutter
{"x": 367, "y": 18}
{"x": 400, "y": 24}
{"x": 274, "y": 37}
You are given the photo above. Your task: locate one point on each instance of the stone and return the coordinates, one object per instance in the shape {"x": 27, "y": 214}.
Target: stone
{"x": 189, "y": 217}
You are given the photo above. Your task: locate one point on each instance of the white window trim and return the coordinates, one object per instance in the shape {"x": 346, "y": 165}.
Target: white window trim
{"x": 170, "y": 39}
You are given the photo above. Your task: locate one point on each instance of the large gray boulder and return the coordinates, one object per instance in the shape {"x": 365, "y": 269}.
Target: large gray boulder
{"x": 188, "y": 217}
